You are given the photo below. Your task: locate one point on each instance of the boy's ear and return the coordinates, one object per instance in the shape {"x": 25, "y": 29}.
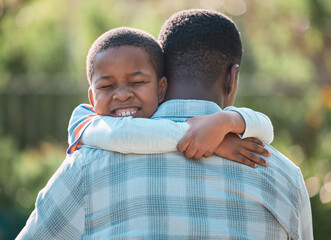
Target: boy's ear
{"x": 162, "y": 88}
{"x": 90, "y": 96}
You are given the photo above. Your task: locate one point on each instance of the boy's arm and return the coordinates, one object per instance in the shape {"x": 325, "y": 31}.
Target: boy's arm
{"x": 80, "y": 119}
{"x": 125, "y": 135}
{"x": 147, "y": 136}
{"x": 134, "y": 135}
{"x": 257, "y": 124}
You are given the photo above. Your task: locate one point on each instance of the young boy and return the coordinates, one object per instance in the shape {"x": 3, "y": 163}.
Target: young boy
{"x": 125, "y": 74}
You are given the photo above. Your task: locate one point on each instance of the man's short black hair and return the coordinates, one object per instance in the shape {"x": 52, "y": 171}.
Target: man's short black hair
{"x": 199, "y": 44}
{"x": 130, "y": 37}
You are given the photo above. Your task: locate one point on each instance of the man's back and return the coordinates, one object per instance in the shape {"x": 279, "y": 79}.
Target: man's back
{"x": 168, "y": 196}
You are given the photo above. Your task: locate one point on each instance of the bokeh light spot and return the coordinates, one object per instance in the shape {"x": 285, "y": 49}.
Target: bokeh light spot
{"x": 313, "y": 186}
{"x": 235, "y": 7}
{"x": 328, "y": 186}
{"x": 296, "y": 154}
{"x": 327, "y": 178}
{"x": 325, "y": 195}
{"x": 24, "y": 17}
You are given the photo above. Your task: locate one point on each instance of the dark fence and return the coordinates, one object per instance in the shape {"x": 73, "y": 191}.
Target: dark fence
{"x": 31, "y": 118}
{"x": 33, "y": 109}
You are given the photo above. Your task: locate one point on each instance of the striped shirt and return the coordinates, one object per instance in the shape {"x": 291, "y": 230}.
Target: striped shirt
{"x": 97, "y": 194}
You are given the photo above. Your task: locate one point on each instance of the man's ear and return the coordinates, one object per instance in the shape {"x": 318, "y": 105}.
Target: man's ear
{"x": 90, "y": 96}
{"x": 162, "y": 88}
{"x": 231, "y": 85}
{"x": 231, "y": 79}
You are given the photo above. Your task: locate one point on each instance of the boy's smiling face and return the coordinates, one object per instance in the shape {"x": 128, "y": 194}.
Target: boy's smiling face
{"x": 124, "y": 83}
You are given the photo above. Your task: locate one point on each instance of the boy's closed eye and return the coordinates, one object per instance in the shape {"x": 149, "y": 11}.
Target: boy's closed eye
{"x": 106, "y": 86}
{"x": 138, "y": 78}
{"x": 138, "y": 82}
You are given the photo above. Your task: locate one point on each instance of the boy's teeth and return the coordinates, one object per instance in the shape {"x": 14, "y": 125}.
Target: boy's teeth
{"x": 124, "y": 113}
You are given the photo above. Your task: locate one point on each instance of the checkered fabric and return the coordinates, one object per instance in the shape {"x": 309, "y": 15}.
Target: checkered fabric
{"x": 98, "y": 194}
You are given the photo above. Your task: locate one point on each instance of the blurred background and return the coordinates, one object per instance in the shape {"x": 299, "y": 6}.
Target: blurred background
{"x": 43, "y": 44}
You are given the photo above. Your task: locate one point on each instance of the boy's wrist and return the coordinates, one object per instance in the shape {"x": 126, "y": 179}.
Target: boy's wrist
{"x": 236, "y": 122}
{"x": 225, "y": 122}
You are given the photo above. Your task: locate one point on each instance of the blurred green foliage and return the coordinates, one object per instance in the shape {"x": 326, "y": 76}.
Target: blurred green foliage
{"x": 43, "y": 44}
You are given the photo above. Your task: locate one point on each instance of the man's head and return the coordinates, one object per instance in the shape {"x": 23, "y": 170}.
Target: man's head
{"x": 203, "y": 51}
{"x": 125, "y": 71}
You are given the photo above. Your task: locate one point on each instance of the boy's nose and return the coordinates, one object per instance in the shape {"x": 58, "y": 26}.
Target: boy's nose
{"x": 122, "y": 94}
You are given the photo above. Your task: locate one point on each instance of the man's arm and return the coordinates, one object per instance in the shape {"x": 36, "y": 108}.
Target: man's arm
{"x": 59, "y": 211}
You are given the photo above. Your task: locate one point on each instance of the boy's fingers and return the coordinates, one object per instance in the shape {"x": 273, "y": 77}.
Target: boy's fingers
{"x": 183, "y": 143}
{"x": 243, "y": 160}
{"x": 190, "y": 151}
{"x": 255, "y": 140}
{"x": 257, "y": 148}
{"x": 207, "y": 154}
{"x": 254, "y": 158}
{"x": 198, "y": 154}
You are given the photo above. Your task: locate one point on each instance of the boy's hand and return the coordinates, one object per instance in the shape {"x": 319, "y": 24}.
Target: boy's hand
{"x": 205, "y": 134}
{"x": 243, "y": 151}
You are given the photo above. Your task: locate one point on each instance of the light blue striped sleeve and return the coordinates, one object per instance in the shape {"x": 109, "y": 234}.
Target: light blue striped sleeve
{"x": 134, "y": 135}
{"x": 258, "y": 125}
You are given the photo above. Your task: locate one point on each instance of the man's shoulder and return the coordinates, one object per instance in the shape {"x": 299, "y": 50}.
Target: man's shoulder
{"x": 290, "y": 202}
{"x": 285, "y": 177}
{"x": 283, "y": 170}
{"x": 86, "y": 155}
{"x": 277, "y": 159}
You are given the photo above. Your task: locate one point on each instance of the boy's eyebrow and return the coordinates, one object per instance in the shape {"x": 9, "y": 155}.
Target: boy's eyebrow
{"x": 137, "y": 73}
{"x": 107, "y": 77}
{"x": 104, "y": 77}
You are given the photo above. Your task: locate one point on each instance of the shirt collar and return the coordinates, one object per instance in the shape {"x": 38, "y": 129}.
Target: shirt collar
{"x": 181, "y": 109}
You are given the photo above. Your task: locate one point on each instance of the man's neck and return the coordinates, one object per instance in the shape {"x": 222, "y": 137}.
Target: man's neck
{"x": 191, "y": 92}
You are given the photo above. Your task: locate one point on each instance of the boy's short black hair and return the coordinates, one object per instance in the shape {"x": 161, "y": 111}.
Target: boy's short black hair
{"x": 198, "y": 44}
{"x": 126, "y": 36}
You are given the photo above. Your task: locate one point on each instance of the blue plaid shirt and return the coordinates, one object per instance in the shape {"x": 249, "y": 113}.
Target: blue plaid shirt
{"x": 97, "y": 194}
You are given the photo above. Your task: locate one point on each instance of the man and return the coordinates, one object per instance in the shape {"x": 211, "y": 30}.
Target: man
{"x": 166, "y": 196}
{"x": 202, "y": 52}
